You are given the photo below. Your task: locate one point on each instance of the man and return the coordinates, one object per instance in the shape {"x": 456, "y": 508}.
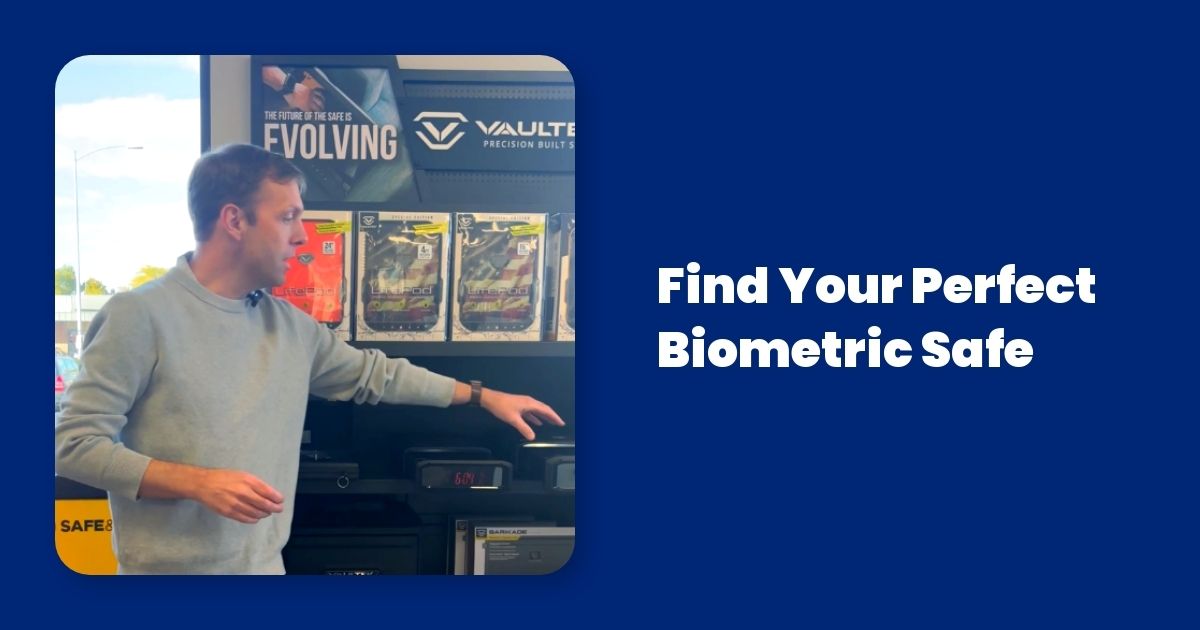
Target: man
{"x": 190, "y": 405}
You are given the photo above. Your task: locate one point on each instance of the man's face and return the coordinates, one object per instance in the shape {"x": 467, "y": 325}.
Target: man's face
{"x": 276, "y": 233}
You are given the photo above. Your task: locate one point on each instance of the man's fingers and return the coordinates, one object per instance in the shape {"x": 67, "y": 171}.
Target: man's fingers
{"x": 260, "y": 504}
{"x": 253, "y": 512}
{"x": 531, "y": 418}
{"x": 522, "y": 428}
{"x": 265, "y": 491}
{"x": 236, "y": 514}
{"x": 544, "y": 410}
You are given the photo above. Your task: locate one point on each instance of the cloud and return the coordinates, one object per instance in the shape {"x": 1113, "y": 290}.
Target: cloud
{"x": 124, "y": 230}
{"x": 167, "y": 129}
{"x": 132, "y": 204}
{"x": 190, "y": 62}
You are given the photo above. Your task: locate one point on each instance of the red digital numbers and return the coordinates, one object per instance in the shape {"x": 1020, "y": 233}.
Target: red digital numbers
{"x": 464, "y": 478}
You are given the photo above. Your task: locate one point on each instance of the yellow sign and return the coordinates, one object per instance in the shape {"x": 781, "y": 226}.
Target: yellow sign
{"x": 83, "y": 536}
{"x": 424, "y": 229}
{"x": 333, "y": 228}
{"x": 527, "y": 230}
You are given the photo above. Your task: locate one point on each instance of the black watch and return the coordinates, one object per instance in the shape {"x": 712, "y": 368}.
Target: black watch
{"x": 290, "y": 81}
{"x": 476, "y": 393}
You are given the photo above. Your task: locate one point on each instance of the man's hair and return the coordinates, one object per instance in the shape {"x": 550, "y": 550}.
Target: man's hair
{"x": 233, "y": 174}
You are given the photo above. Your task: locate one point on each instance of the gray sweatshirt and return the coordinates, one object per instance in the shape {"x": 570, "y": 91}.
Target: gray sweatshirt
{"x": 174, "y": 372}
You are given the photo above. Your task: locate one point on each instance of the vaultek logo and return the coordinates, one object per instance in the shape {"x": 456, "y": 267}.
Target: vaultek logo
{"x": 441, "y": 131}
{"x": 523, "y": 129}
{"x": 439, "y": 134}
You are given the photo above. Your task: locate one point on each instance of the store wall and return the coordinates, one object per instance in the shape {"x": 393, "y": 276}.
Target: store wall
{"x": 228, "y": 89}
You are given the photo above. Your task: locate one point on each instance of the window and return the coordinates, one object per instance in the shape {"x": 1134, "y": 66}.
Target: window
{"x": 126, "y": 133}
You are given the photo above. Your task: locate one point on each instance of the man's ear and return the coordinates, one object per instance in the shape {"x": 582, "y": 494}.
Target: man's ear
{"x": 232, "y": 221}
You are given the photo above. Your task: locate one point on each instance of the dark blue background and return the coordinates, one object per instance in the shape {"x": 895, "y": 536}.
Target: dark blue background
{"x": 873, "y": 141}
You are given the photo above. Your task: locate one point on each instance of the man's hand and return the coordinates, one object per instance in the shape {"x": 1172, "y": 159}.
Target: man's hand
{"x": 237, "y": 495}
{"x": 519, "y": 411}
{"x": 307, "y": 99}
{"x": 231, "y": 493}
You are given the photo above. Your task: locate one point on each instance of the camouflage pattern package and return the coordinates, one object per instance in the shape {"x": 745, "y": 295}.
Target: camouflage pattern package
{"x": 498, "y": 275}
{"x": 402, "y": 267}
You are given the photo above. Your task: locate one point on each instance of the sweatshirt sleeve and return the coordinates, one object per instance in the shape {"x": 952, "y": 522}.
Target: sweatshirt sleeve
{"x": 119, "y": 354}
{"x": 343, "y": 372}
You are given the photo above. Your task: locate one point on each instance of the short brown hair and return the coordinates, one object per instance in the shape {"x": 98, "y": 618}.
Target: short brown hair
{"x": 233, "y": 174}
